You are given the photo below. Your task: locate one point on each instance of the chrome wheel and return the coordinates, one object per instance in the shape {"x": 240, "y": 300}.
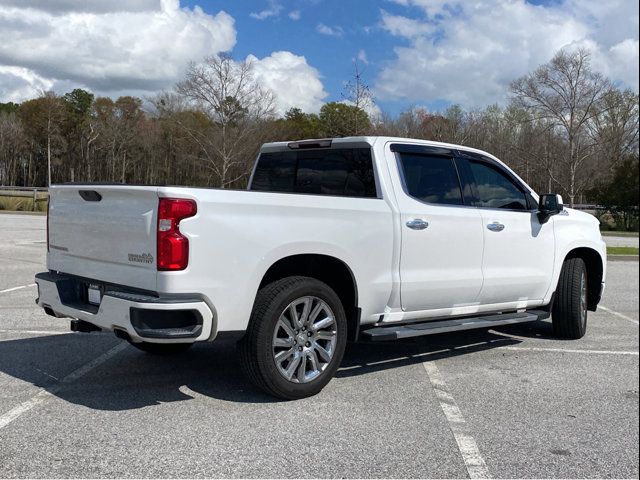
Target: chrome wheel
{"x": 583, "y": 298}
{"x": 304, "y": 339}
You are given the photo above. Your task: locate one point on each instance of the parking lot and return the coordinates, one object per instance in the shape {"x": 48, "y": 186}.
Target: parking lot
{"x": 512, "y": 402}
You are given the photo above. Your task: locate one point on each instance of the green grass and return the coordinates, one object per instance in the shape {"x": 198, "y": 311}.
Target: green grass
{"x": 622, "y": 251}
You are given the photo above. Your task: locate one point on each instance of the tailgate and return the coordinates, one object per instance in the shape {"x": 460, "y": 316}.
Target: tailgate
{"x": 106, "y": 233}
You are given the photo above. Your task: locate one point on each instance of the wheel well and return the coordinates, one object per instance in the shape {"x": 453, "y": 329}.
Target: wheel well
{"x": 327, "y": 269}
{"x": 593, "y": 263}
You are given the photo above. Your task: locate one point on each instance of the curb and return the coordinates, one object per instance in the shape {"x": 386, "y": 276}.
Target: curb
{"x": 17, "y": 212}
{"x": 622, "y": 258}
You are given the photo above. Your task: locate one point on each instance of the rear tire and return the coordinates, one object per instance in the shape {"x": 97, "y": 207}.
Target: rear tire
{"x": 162, "y": 348}
{"x": 569, "y": 313}
{"x": 296, "y": 338}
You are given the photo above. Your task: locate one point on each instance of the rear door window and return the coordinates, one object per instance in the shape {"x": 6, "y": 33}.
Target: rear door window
{"x": 431, "y": 179}
{"x": 339, "y": 172}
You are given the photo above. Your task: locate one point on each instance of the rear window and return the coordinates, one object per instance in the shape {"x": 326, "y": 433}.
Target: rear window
{"x": 344, "y": 172}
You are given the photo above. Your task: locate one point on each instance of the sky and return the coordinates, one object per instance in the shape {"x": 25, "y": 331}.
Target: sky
{"x": 426, "y": 53}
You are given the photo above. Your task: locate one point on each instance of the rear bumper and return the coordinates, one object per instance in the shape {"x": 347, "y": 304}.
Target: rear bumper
{"x": 144, "y": 317}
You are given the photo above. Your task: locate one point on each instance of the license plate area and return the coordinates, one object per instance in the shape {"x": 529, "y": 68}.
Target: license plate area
{"x": 94, "y": 294}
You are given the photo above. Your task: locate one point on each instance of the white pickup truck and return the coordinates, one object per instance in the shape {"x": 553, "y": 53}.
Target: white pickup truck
{"x": 362, "y": 238}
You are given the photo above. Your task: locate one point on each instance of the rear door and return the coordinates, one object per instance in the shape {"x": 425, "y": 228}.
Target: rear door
{"x": 518, "y": 251}
{"x": 105, "y": 233}
{"x": 441, "y": 256}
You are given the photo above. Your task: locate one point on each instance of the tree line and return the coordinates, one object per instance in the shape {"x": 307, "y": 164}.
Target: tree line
{"x": 566, "y": 128}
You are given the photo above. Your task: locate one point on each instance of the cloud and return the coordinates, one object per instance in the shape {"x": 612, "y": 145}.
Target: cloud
{"x": 295, "y": 15}
{"x": 330, "y": 31}
{"x": 52, "y": 44}
{"x": 294, "y": 82}
{"x": 400, "y": 26}
{"x": 362, "y": 57}
{"x": 273, "y": 10}
{"x": 88, "y": 6}
{"x": 468, "y": 52}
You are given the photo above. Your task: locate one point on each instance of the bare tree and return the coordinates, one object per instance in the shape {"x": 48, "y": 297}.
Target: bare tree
{"x": 358, "y": 94}
{"x": 235, "y": 105}
{"x": 568, "y": 95}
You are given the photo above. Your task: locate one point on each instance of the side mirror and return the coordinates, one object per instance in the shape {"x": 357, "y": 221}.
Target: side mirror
{"x": 550, "y": 204}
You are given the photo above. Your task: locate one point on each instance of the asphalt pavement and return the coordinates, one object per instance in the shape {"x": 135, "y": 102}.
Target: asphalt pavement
{"x": 511, "y": 402}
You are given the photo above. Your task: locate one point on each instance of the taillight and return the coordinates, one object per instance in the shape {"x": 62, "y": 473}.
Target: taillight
{"x": 173, "y": 247}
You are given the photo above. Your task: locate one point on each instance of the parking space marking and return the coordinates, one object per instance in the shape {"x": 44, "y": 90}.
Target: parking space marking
{"x": 44, "y": 395}
{"x": 475, "y": 464}
{"x": 567, "y": 350}
{"x": 35, "y": 332}
{"x": 17, "y": 288}
{"x": 613, "y": 312}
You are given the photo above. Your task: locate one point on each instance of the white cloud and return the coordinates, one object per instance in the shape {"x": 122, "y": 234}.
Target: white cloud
{"x": 293, "y": 81}
{"x": 273, "y": 10}
{"x": 330, "y": 31}
{"x": 295, "y": 15}
{"x": 404, "y": 27}
{"x": 468, "y": 52}
{"x": 52, "y": 44}
{"x": 362, "y": 57}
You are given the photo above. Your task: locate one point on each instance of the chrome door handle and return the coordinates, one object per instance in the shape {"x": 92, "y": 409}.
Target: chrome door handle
{"x": 417, "y": 224}
{"x": 495, "y": 227}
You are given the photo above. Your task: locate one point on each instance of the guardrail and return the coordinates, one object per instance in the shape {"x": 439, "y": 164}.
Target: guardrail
{"x": 36, "y": 194}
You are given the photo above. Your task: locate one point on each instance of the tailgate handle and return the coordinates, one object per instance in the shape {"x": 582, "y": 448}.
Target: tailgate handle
{"x": 90, "y": 195}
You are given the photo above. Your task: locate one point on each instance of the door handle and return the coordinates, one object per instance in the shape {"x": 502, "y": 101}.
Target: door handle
{"x": 417, "y": 224}
{"x": 495, "y": 227}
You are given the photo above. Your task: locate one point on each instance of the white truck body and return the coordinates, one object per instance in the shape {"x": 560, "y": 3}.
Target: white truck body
{"x": 468, "y": 259}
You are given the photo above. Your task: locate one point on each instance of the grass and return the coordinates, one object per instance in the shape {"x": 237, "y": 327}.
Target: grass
{"x": 622, "y": 250}
{"x": 21, "y": 204}
{"x": 611, "y": 233}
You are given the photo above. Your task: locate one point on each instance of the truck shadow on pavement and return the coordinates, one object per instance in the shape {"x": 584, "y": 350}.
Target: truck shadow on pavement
{"x": 211, "y": 372}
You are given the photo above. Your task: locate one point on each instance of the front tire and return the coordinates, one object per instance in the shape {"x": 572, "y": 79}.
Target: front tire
{"x": 296, "y": 338}
{"x": 569, "y": 315}
{"x": 162, "y": 348}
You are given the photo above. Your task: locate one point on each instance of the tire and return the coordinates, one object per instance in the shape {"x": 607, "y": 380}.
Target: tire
{"x": 293, "y": 358}
{"x": 569, "y": 314}
{"x": 162, "y": 348}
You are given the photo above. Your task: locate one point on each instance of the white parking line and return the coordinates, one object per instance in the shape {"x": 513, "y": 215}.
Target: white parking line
{"x": 44, "y": 395}
{"x": 17, "y": 288}
{"x": 566, "y": 350}
{"x": 473, "y": 461}
{"x": 35, "y": 332}
{"x": 613, "y": 312}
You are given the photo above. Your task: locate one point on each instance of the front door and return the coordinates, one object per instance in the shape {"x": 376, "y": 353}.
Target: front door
{"x": 518, "y": 250}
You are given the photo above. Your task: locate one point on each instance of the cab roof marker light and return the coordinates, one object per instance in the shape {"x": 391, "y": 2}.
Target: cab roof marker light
{"x": 310, "y": 144}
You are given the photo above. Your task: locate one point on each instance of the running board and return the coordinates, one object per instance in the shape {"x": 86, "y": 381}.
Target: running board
{"x": 395, "y": 332}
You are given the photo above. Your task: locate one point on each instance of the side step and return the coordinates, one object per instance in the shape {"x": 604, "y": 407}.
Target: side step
{"x": 395, "y": 332}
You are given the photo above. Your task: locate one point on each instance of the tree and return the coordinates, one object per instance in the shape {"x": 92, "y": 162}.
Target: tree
{"x": 42, "y": 119}
{"x": 79, "y": 130}
{"x": 337, "y": 119}
{"x": 619, "y": 193}
{"x": 236, "y": 106}
{"x": 358, "y": 95}
{"x": 567, "y": 95}
{"x": 299, "y": 125}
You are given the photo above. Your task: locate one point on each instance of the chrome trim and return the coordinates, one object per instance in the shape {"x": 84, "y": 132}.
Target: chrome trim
{"x": 417, "y": 224}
